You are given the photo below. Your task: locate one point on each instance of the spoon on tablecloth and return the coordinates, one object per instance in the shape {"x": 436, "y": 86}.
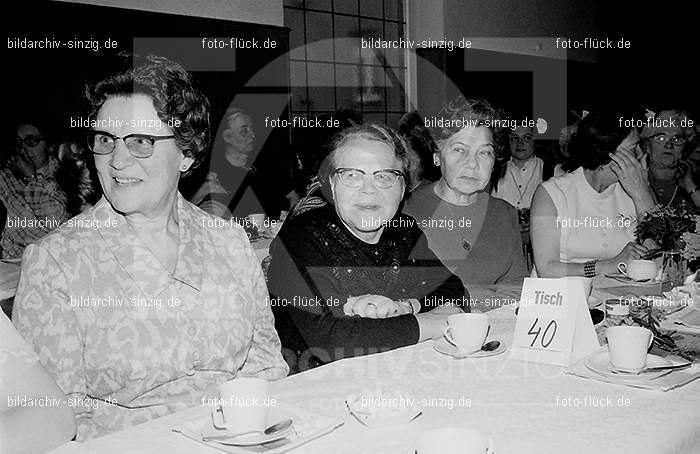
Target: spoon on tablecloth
{"x": 490, "y": 346}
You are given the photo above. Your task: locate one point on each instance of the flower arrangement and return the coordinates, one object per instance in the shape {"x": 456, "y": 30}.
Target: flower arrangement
{"x": 667, "y": 226}
{"x": 692, "y": 242}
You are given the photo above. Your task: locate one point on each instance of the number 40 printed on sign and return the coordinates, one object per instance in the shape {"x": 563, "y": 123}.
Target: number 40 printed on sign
{"x": 553, "y": 324}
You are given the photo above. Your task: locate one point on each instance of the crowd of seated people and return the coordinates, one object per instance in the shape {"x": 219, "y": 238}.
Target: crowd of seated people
{"x": 149, "y": 312}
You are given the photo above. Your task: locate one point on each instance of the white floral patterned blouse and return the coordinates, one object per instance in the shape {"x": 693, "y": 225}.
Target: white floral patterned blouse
{"x": 128, "y": 341}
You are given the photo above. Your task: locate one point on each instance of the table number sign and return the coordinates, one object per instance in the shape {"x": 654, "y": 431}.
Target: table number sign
{"x": 553, "y": 325}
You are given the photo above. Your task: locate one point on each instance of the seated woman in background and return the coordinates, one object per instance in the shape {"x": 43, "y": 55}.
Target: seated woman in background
{"x": 29, "y": 190}
{"x": 671, "y": 174}
{"x": 474, "y": 234}
{"x": 238, "y": 181}
{"x": 357, "y": 276}
{"x": 34, "y": 415}
{"x": 137, "y": 305}
{"x": 582, "y": 223}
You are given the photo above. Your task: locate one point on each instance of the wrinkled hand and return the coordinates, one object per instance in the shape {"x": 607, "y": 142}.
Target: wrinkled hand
{"x": 375, "y": 306}
{"x": 630, "y": 143}
{"x": 631, "y": 251}
{"x": 629, "y": 172}
{"x": 21, "y": 165}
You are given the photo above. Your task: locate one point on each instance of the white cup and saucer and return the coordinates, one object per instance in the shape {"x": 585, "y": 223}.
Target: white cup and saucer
{"x": 638, "y": 270}
{"x": 242, "y": 414}
{"x": 627, "y": 355}
{"x": 465, "y": 335}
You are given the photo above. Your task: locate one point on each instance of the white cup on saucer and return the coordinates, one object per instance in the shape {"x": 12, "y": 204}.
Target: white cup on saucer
{"x": 638, "y": 270}
{"x": 467, "y": 332}
{"x": 454, "y": 440}
{"x": 242, "y": 407}
{"x": 628, "y": 347}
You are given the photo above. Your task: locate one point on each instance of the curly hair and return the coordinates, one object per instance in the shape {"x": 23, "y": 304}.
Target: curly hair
{"x": 461, "y": 112}
{"x": 597, "y": 135}
{"x": 174, "y": 97}
{"x": 409, "y": 159}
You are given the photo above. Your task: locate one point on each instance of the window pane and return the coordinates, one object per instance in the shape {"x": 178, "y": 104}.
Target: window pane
{"x": 393, "y": 9}
{"x": 371, "y": 29}
{"x": 372, "y": 8}
{"x": 372, "y": 80}
{"x": 345, "y": 6}
{"x": 396, "y": 95}
{"x": 294, "y": 19}
{"x": 394, "y": 31}
{"x": 347, "y": 85}
{"x": 324, "y": 5}
{"x": 347, "y": 47}
{"x": 321, "y": 86}
{"x": 319, "y": 34}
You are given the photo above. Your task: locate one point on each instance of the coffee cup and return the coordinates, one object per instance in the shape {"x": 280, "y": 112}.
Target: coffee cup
{"x": 454, "y": 440}
{"x": 638, "y": 270}
{"x": 467, "y": 332}
{"x": 587, "y": 283}
{"x": 242, "y": 407}
{"x": 628, "y": 346}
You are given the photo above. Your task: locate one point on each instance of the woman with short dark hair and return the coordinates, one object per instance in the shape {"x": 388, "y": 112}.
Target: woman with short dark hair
{"x": 582, "y": 222}
{"x": 463, "y": 222}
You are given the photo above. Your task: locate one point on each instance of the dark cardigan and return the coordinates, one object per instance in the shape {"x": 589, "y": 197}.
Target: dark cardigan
{"x": 317, "y": 260}
{"x": 496, "y": 256}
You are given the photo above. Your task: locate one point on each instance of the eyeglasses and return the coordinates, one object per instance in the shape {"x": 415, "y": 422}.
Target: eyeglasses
{"x": 383, "y": 178}
{"x": 139, "y": 145}
{"x": 676, "y": 141}
{"x": 28, "y": 140}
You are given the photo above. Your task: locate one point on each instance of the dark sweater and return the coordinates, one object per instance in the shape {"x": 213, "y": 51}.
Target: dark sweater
{"x": 315, "y": 258}
{"x": 495, "y": 257}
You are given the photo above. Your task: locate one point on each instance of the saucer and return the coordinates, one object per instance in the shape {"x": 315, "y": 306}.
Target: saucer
{"x": 382, "y": 408}
{"x": 619, "y": 277}
{"x": 444, "y": 347}
{"x": 600, "y": 363}
{"x": 249, "y": 439}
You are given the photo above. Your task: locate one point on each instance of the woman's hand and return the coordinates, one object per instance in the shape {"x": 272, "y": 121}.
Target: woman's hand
{"x": 629, "y": 171}
{"x": 375, "y": 306}
{"x": 21, "y": 166}
{"x": 631, "y": 251}
{"x": 633, "y": 179}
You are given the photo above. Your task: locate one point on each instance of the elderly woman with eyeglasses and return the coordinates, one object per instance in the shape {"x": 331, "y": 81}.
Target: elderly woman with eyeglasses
{"x": 672, "y": 177}
{"x": 142, "y": 304}
{"x": 357, "y": 277}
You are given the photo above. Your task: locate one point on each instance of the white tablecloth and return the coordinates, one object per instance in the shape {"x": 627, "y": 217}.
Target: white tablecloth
{"x": 522, "y": 406}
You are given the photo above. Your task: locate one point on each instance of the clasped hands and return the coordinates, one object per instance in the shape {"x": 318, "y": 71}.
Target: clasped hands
{"x": 376, "y": 306}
